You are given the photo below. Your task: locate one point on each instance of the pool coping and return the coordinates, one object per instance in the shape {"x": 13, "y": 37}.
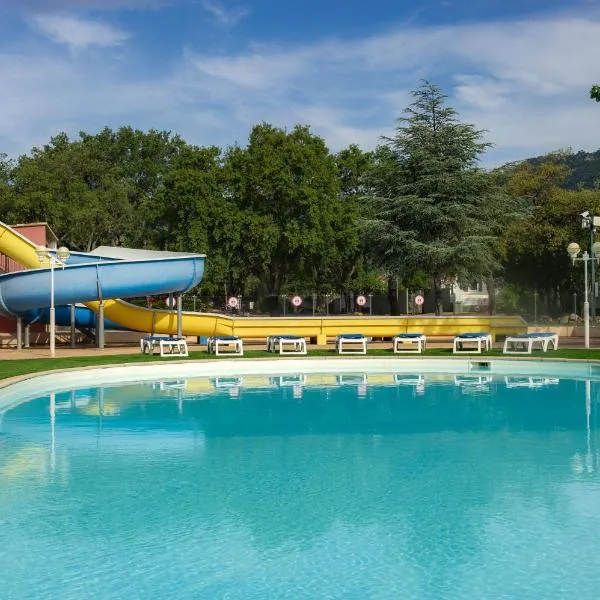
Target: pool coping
{"x": 7, "y": 381}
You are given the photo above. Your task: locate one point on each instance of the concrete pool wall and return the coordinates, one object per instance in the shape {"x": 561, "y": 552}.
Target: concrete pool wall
{"x": 32, "y": 386}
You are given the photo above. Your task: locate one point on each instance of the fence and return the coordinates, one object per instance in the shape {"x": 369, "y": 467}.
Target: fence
{"x": 544, "y": 307}
{"x": 307, "y": 304}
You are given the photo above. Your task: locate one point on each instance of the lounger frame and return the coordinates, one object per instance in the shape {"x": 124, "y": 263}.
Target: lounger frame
{"x": 483, "y": 342}
{"x": 353, "y": 342}
{"x": 168, "y": 346}
{"x": 225, "y": 346}
{"x": 525, "y": 344}
{"x": 286, "y": 344}
{"x": 403, "y": 340}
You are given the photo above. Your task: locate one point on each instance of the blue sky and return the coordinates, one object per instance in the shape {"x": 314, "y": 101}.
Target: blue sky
{"x": 210, "y": 69}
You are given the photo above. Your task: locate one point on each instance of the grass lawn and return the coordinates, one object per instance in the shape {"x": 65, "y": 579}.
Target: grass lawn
{"x": 11, "y": 368}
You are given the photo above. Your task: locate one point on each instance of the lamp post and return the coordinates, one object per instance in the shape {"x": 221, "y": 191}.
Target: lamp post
{"x": 573, "y": 249}
{"x": 590, "y": 222}
{"x": 60, "y": 257}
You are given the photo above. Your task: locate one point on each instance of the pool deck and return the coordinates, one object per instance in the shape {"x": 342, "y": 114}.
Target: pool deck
{"x": 65, "y": 352}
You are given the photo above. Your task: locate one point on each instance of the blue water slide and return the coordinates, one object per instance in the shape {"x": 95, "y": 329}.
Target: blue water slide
{"x": 106, "y": 278}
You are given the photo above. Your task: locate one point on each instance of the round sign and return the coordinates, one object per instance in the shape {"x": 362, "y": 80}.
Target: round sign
{"x": 419, "y": 300}
{"x": 361, "y": 300}
{"x": 296, "y": 301}
{"x": 232, "y": 302}
{"x": 170, "y": 301}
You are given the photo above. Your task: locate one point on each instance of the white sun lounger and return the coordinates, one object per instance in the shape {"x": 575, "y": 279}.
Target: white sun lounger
{"x": 229, "y": 345}
{"x": 526, "y": 343}
{"x": 353, "y": 340}
{"x": 481, "y": 341}
{"x": 405, "y": 343}
{"x": 168, "y": 346}
{"x": 286, "y": 344}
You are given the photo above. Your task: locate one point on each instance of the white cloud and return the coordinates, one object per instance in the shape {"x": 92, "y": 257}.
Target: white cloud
{"x": 47, "y": 5}
{"x": 482, "y": 93}
{"x": 223, "y": 15}
{"x": 526, "y": 83}
{"x": 78, "y": 33}
{"x": 254, "y": 70}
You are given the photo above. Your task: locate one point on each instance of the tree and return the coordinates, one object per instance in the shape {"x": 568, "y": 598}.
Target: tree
{"x": 536, "y": 257}
{"x": 82, "y": 195}
{"x": 595, "y": 93}
{"x": 97, "y": 189}
{"x": 198, "y": 215}
{"x": 353, "y": 166}
{"x": 6, "y": 190}
{"x": 288, "y": 180}
{"x": 433, "y": 208}
{"x": 143, "y": 160}
{"x": 349, "y": 265}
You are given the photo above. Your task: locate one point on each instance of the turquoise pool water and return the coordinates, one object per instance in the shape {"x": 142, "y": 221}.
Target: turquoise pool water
{"x": 304, "y": 487}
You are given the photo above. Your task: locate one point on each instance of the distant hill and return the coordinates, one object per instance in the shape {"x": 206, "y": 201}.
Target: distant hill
{"x": 585, "y": 169}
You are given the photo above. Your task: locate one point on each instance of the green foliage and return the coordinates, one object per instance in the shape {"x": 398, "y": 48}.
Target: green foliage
{"x": 433, "y": 209}
{"x": 288, "y": 183}
{"x": 268, "y": 215}
{"x": 7, "y": 200}
{"x": 71, "y": 186}
{"x": 536, "y": 257}
{"x": 582, "y": 168}
{"x": 142, "y": 160}
{"x": 595, "y": 93}
{"x": 94, "y": 190}
{"x": 353, "y": 167}
{"x": 285, "y": 214}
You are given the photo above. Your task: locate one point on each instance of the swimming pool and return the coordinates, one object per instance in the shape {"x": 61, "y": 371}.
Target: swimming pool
{"x": 478, "y": 483}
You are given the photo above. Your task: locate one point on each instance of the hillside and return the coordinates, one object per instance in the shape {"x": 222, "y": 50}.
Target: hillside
{"x": 585, "y": 169}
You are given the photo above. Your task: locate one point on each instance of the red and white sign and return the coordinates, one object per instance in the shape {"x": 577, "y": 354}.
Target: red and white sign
{"x": 232, "y": 302}
{"x": 296, "y": 301}
{"x": 419, "y": 300}
{"x": 361, "y": 300}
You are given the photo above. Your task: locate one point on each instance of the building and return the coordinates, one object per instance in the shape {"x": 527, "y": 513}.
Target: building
{"x": 41, "y": 235}
{"x": 470, "y": 298}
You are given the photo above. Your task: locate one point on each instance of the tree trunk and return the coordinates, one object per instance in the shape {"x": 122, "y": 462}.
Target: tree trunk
{"x": 273, "y": 283}
{"x": 558, "y": 305}
{"x": 490, "y": 282}
{"x": 437, "y": 295}
{"x": 393, "y": 296}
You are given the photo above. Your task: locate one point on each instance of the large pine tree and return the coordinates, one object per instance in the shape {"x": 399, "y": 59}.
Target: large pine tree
{"x": 433, "y": 209}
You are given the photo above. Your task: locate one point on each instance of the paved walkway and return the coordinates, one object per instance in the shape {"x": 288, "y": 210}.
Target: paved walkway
{"x": 63, "y": 352}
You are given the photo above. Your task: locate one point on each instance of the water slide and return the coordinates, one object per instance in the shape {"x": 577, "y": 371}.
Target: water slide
{"x": 104, "y": 274}
{"x": 85, "y": 318}
{"x": 111, "y": 273}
